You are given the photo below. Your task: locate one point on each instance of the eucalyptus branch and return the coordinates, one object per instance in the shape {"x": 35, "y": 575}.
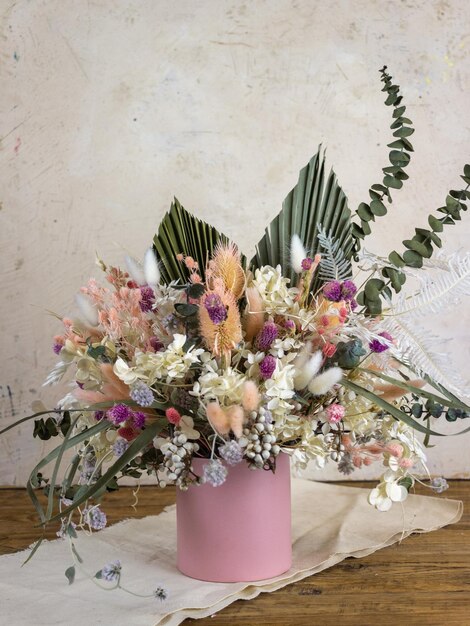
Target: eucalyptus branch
{"x": 394, "y": 174}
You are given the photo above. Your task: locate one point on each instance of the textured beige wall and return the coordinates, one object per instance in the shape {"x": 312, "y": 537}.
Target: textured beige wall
{"x": 109, "y": 107}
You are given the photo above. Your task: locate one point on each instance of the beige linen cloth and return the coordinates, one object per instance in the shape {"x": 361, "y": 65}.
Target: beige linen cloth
{"x": 330, "y": 523}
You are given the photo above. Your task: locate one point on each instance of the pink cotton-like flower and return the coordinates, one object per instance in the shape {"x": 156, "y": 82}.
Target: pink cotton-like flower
{"x": 173, "y": 416}
{"x": 406, "y": 463}
{"x": 395, "y": 449}
{"x": 329, "y": 349}
{"x": 335, "y": 413}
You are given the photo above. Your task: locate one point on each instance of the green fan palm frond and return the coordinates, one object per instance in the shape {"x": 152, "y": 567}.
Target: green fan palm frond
{"x": 180, "y": 232}
{"x": 316, "y": 201}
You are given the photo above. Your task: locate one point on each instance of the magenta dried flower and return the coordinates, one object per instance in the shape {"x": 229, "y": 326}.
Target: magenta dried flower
{"x": 215, "y": 308}
{"x": 138, "y": 419}
{"x": 266, "y": 336}
{"x": 147, "y": 298}
{"x": 332, "y": 291}
{"x": 378, "y": 346}
{"x": 57, "y": 347}
{"x": 307, "y": 264}
{"x": 156, "y": 344}
{"x": 267, "y": 366}
{"x": 118, "y": 414}
{"x": 348, "y": 290}
{"x": 99, "y": 415}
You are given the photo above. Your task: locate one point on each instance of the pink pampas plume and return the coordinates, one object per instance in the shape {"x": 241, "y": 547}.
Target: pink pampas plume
{"x": 250, "y": 396}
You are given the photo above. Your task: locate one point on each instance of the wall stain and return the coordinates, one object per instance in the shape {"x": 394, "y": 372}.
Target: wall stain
{"x": 17, "y": 145}
{"x": 19, "y": 263}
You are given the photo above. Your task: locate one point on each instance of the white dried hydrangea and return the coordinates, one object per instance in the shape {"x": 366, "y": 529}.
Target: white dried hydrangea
{"x": 277, "y": 296}
{"x": 226, "y": 386}
{"x": 279, "y": 389}
{"x": 170, "y": 364}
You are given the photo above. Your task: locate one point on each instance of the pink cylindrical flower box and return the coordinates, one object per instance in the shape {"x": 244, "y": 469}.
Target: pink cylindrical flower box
{"x": 240, "y": 531}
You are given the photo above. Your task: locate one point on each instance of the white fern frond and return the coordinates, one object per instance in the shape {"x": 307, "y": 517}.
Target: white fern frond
{"x": 438, "y": 293}
{"x": 333, "y": 264}
{"x": 415, "y": 348}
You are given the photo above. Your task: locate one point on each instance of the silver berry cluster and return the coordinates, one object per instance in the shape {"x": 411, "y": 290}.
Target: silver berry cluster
{"x": 333, "y": 440}
{"x": 177, "y": 455}
{"x": 261, "y": 447}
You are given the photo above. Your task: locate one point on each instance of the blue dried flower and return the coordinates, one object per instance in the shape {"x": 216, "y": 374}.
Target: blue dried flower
{"x": 120, "y": 446}
{"x": 111, "y": 571}
{"x": 142, "y": 394}
{"x": 95, "y": 518}
{"x": 214, "y": 473}
{"x": 231, "y": 452}
{"x": 439, "y": 484}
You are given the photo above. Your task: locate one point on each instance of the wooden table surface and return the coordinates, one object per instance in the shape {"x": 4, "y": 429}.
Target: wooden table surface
{"x": 423, "y": 581}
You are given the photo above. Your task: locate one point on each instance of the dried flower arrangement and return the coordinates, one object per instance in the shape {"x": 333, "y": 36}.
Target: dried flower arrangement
{"x": 198, "y": 352}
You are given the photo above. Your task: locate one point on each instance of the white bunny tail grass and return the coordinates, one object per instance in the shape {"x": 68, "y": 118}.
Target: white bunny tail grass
{"x": 308, "y": 370}
{"x": 151, "y": 269}
{"x": 324, "y": 382}
{"x": 297, "y": 254}
{"x": 88, "y": 310}
{"x": 135, "y": 270}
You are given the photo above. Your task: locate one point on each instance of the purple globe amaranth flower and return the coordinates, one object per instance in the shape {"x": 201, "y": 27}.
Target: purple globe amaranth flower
{"x": 231, "y": 452}
{"x": 378, "y": 346}
{"x": 307, "y": 264}
{"x": 332, "y": 291}
{"x": 142, "y": 394}
{"x": 138, "y": 419}
{"x": 99, "y": 415}
{"x": 267, "y": 366}
{"x": 266, "y": 336}
{"x": 215, "y": 308}
{"x": 348, "y": 290}
{"x": 147, "y": 298}
{"x": 214, "y": 473}
{"x": 118, "y": 414}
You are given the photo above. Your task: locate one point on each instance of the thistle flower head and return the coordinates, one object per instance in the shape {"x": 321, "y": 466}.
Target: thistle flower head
{"x": 225, "y": 264}
{"x": 220, "y": 338}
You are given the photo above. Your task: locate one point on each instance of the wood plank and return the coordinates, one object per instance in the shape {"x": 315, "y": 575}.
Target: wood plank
{"x": 425, "y": 580}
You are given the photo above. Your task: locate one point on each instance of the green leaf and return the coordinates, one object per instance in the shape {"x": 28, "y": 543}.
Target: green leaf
{"x": 466, "y": 170}
{"x": 33, "y": 550}
{"x": 364, "y": 212}
{"x": 390, "y": 408}
{"x": 399, "y": 111}
{"x": 196, "y": 291}
{"x": 378, "y": 208}
{"x": 373, "y": 287}
{"x": 418, "y": 247}
{"x": 403, "y": 132}
{"x": 137, "y": 445}
{"x": 406, "y": 482}
{"x": 180, "y": 232}
{"x": 412, "y": 259}
{"x": 422, "y": 393}
{"x": 395, "y": 259}
{"x": 186, "y": 310}
{"x": 317, "y": 199}
{"x": 399, "y": 158}
{"x": 70, "y": 574}
{"x": 435, "y": 224}
{"x": 391, "y": 181}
